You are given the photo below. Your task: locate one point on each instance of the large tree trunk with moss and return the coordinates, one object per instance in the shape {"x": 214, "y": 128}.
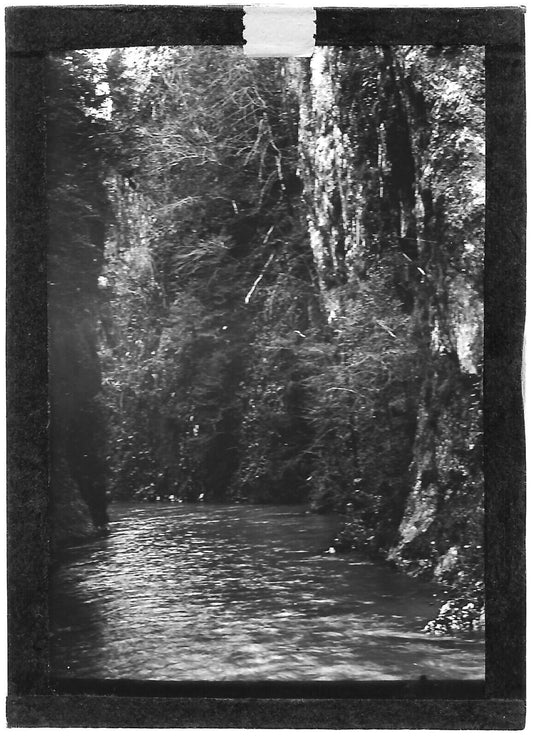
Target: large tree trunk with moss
{"x": 392, "y": 160}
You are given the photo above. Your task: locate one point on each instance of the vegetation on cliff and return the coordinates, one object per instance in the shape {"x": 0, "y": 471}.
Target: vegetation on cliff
{"x": 278, "y": 266}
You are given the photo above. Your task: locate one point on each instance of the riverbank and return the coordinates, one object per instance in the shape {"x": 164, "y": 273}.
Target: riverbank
{"x": 462, "y": 607}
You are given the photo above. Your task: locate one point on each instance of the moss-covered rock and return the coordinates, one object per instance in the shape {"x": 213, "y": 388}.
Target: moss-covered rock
{"x": 458, "y": 615}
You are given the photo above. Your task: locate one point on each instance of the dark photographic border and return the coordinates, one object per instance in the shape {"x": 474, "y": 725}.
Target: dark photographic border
{"x": 33, "y": 700}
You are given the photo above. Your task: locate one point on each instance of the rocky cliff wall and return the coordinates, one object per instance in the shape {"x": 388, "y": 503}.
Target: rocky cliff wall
{"x": 392, "y": 162}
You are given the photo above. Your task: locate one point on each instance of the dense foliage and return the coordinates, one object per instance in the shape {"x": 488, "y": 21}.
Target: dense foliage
{"x": 205, "y": 239}
{"x": 290, "y": 305}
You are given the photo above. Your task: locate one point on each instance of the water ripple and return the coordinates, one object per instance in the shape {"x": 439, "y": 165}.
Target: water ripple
{"x": 233, "y": 592}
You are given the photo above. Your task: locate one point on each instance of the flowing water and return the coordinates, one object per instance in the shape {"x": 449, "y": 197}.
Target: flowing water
{"x": 192, "y": 592}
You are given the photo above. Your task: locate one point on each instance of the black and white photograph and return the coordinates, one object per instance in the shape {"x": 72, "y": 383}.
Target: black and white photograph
{"x": 266, "y": 326}
{"x": 265, "y": 317}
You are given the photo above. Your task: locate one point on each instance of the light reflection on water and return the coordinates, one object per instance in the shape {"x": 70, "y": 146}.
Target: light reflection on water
{"x": 182, "y": 592}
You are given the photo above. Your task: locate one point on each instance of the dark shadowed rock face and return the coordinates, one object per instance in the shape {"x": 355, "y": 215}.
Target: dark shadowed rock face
{"x": 77, "y": 427}
{"x": 77, "y": 217}
{"x": 77, "y": 436}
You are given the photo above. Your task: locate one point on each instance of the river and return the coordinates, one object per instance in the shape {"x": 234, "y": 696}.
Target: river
{"x": 234, "y": 592}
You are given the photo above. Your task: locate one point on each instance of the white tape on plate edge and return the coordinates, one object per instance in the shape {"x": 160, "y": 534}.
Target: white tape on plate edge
{"x": 271, "y": 31}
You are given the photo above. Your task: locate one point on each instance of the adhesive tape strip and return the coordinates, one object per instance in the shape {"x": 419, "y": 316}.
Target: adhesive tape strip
{"x": 281, "y": 31}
